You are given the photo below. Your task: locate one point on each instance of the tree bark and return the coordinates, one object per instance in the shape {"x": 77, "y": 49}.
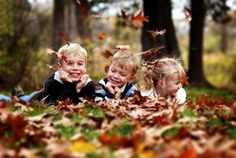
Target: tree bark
{"x": 58, "y": 23}
{"x": 223, "y": 38}
{"x": 83, "y": 24}
{"x": 160, "y": 17}
{"x": 196, "y": 72}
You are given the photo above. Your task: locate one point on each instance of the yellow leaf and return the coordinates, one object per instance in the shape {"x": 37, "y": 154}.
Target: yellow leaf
{"x": 82, "y": 146}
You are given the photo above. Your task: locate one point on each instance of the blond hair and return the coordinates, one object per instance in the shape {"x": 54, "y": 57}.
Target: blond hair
{"x": 160, "y": 69}
{"x": 72, "y": 49}
{"x": 125, "y": 59}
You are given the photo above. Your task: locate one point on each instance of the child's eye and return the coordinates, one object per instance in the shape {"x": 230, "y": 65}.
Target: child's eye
{"x": 80, "y": 63}
{"x": 69, "y": 63}
{"x": 113, "y": 70}
{"x": 123, "y": 74}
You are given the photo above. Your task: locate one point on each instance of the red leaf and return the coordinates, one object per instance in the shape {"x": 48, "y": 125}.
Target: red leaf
{"x": 162, "y": 120}
{"x": 64, "y": 37}
{"x": 18, "y": 124}
{"x": 188, "y": 153}
{"x": 184, "y": 80}
{"x": 137, "y": 20}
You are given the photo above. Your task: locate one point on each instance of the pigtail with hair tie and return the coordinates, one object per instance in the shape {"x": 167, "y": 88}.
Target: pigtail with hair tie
{"x": 147, "y": 75}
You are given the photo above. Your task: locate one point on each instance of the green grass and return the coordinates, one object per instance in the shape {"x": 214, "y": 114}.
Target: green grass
{"x": 196, "y": 92}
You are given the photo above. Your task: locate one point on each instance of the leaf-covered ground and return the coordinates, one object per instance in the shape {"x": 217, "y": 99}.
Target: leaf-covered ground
{"x": 137, "y": 127}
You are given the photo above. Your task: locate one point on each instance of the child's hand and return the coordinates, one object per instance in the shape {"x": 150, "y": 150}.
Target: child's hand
{"x": 81, "y": 82}
{"x": 110, "y": 88}
{"x": 117, "y": 92}
{"x": 64, "y": 76}
{"x": 113, "y": 90}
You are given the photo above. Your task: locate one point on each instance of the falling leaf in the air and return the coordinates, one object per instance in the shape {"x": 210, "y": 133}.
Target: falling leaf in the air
{"x": 107, "y": 54}
{"x": 138, "y": 19}
{"x": 188, "y": 14}
{"x": 64, "y": 37}
{"x": 101, "y": 36}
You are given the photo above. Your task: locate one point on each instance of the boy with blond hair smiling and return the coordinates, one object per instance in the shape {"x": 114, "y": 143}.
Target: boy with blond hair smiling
{"x": 70, "y": 80}
{"x": 120, "y": 75}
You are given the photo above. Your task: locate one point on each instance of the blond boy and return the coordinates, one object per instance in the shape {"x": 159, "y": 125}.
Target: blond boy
{"x": 120, "y": 75}
{"x": 70, "y": 80}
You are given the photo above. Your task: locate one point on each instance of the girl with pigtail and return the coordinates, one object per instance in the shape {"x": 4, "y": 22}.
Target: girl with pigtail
{"x": 163, "y": 78}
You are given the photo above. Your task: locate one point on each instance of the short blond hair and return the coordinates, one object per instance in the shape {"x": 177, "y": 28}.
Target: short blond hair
{"x": 125, "y": 59}
{"x": 72, "y": 48}
{"x": 160, "y": 69}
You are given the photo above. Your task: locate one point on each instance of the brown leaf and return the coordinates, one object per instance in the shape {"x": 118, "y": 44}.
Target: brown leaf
{"x": 106, "y": 68}
{"x": 123, "y": 14}
{"x": 78, "y": 2}
{"x": 152, "y": 51}
{"x": 154, "y": 34}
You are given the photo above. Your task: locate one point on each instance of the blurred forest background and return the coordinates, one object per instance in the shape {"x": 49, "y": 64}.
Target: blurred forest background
{"x": 201, "y": 32}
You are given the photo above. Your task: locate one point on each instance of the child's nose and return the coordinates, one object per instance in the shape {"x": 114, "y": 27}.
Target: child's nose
{"x": 116, "y": 75}
{"x": 75, "y": 66}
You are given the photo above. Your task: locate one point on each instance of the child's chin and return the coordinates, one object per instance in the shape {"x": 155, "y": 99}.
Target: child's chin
{"x": 75, "y": 79}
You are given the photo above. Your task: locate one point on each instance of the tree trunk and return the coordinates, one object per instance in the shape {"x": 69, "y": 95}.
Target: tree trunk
{"x": 223, "y": 38}
{"x": 83, "y": 24}
{"x": 58, "y": 25}
{"x": 160, "y": 17}
{"x": 70, "y": 21}
{"x": 196, "y": 72}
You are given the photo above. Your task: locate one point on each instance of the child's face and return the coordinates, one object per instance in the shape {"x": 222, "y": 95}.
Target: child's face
{"x": 118, "y": 77}
{"x": 74, "y": 65}
{"x": 171, "y": 86}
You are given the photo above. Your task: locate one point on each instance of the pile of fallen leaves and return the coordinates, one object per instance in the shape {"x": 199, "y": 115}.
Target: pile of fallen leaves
{"x": 137, "y": 127}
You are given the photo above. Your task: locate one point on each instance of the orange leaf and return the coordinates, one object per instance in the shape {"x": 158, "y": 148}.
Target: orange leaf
{"x": 101, "y": 35}
{"x": 189, "y": 153}
{"x": 137, "y": 20}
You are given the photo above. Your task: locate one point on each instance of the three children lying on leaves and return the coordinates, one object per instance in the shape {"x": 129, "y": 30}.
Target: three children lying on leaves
{"x": 160, "y": 78}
